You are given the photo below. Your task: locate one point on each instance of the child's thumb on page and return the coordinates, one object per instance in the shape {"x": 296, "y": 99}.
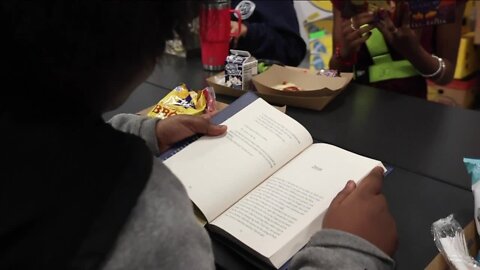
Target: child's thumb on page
{"x": 215, "y": 130}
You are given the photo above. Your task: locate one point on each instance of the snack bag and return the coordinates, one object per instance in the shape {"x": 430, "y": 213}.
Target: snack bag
{"x": 182, "y": 101}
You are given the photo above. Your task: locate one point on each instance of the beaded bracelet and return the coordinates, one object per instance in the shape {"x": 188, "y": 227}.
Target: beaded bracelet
{"x": 441, "y": 67}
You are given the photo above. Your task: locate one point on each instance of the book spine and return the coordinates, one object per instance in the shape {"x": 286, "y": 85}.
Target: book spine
{"x": 217, "y": 119}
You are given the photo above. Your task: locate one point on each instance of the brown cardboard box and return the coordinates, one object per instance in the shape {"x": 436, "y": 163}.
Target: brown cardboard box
{"x": 471, "y": 237}
{"x": 312, "y": 85}
{"x": 468, "y": 22}
{"x": 317, "y": 91}
{"x": 458, "y": 93}
{"x": 467, "y": 58}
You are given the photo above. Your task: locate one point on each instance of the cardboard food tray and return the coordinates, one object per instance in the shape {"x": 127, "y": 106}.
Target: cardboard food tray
{"x": 312, "y": 85}
{"x": 315, "y": 99}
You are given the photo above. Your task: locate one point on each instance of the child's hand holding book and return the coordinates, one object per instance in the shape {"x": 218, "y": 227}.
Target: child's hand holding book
{"x": 363, "y": 211}
{"x": 179, "y": 127}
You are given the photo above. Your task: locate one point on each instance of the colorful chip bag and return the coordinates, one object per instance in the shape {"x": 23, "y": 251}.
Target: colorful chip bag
{"x": 183, "y": 101}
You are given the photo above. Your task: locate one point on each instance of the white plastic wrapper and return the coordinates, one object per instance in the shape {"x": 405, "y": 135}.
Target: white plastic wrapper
{"x": 450, "y": 241}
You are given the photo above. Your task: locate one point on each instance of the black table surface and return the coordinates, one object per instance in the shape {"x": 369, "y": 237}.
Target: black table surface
{"x": 420, "y": 136}
{"x": 425, "y": 142}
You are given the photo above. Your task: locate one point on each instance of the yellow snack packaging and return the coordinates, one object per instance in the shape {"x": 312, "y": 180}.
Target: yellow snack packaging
{"x": 183, "y": 101}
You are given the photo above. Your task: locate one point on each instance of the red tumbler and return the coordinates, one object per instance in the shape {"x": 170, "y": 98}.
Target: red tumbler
{"x": 215, "y": 33}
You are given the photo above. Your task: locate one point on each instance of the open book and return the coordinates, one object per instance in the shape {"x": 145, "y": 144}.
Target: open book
{"x": 264, "y": 184}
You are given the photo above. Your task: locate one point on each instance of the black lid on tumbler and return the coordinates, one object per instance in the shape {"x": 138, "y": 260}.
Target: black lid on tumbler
{"x": 216, "y": 3}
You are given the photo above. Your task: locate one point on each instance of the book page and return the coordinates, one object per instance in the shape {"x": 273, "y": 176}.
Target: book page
{"x": 218, "y": 171}
{"x": 282, "y": 213}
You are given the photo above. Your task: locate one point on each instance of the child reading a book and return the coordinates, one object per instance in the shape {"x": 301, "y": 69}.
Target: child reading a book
{"x": 79, "y": 193}
{"x": 380, "y": 44}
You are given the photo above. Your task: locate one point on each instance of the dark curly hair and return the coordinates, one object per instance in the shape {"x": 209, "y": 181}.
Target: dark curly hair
{"x": 56, "y": 50}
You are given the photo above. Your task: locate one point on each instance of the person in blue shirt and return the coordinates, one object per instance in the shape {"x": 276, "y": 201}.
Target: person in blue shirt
{"x": 269, "y": 30}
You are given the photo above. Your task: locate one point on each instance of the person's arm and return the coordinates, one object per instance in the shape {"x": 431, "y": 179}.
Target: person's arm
{"x": 265, "y": 41}
{"x": 276, "y": 35}
{"x": 162, "y": 231}
{"x": 141, "y": 126}
{"x": 161, "y": 135}
{"x": 404, "y": 41}
{"x": 333, "y": 249}
{"x": 358, "y": 231}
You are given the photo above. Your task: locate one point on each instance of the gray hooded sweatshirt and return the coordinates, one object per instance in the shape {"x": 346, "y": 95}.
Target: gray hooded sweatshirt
{"x": 162, "y": 231}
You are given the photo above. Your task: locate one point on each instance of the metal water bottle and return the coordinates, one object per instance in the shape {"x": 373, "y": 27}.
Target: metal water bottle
{"x": 215, "y": 32}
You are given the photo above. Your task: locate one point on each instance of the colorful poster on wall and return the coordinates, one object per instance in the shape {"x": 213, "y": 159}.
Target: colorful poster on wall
{"x": 319, "y": 30}
{"x": 323, "y": 5}
{"x": 428, "y": 13}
